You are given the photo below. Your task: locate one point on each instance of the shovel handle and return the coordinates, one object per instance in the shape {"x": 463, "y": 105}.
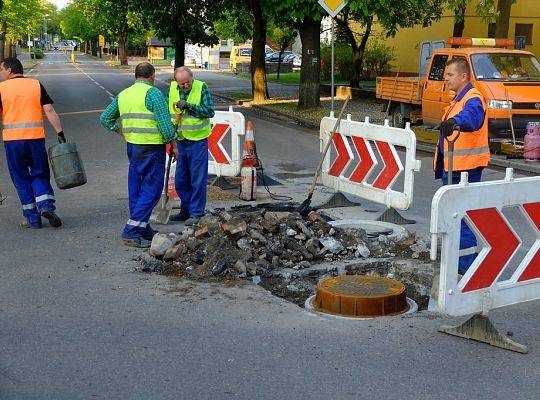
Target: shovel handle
{"x": 61, "y": 137}
{"x": 451, "y": 143}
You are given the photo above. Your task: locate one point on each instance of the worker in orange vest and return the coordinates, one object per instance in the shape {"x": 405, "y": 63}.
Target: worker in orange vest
{"x": 23, "y": 101}
{"x": 466, "y": 113}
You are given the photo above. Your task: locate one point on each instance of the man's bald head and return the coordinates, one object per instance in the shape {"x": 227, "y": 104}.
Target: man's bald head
{"x": 184, "y": 78}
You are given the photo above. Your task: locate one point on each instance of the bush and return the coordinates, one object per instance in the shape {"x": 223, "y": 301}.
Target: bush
{"x": 343, "y": 59}
{"x": 38, "y": 54}
{"x": 377, "y": 60}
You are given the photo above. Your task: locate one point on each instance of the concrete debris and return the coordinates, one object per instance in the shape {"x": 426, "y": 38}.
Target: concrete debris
{"x": 160, "y": 245}
{"x": 332, "y": 244}
{"x": 284, "y": 252}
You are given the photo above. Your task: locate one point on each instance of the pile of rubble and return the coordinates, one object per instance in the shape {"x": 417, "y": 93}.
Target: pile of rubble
{"x": 243, "y": 244}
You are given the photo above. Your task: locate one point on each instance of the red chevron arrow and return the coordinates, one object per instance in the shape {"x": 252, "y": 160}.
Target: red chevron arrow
{"x": 214, "y": 144}
{"x": 532, "y": 271}
{"x": 344, "y": 155}
{"x": 391, "y": 167}
{"x": 367, "y": 161}
{"x": 503, "y": 244}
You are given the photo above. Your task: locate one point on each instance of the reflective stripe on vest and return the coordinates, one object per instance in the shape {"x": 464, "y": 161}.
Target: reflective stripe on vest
{"x": 471, "y": 149}
{"x": 22, "y": 112}
{"x": 139, "y": 125}
{"x": 191, "y": 128}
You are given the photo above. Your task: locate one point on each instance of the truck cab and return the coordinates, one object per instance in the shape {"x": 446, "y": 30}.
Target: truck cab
{"x": 508, "y": 79}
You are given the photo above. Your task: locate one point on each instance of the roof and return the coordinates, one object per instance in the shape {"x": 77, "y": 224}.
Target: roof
{"x": 154, "y": 41}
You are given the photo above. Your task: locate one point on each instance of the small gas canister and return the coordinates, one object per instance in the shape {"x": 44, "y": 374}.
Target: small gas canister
{"x": 531, "y": 149}
{"x": 248, "y": 183}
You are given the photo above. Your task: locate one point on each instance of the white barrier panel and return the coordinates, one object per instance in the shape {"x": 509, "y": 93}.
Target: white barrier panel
{"x": 230, "y": 125}
{"x": 480, "y": 205}
{"x": 359, "y": 182}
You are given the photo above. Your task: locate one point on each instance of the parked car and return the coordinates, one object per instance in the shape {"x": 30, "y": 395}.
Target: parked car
{"x": 285, "y": 58}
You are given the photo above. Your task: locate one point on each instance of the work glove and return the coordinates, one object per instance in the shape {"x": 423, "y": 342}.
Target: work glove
{"x": 181, "y": 105}
{"x": 61, "y": 137}
{"x": 448, "y": 127}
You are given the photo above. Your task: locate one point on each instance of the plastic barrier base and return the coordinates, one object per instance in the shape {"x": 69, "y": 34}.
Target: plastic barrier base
{"x": 480, "y": 328}
{"x": 391, "y": 215}
{"x": 338, "y": 199}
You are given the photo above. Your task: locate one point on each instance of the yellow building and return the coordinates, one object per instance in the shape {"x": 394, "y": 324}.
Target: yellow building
{"x": 524, "y": 21}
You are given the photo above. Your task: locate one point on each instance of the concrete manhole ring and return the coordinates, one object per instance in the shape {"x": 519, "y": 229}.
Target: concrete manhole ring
{"x": 372, "y": 227}
{"x": 413, "y": 308}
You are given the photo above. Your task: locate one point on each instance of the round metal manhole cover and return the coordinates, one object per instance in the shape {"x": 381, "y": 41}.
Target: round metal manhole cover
{"x": 360, "y": 296}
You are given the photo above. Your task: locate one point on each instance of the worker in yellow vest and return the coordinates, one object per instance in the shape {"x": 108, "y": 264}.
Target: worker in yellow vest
{"x": 141, "y": 114}
{"x": 23, "y": 101}
{"x": 466, "y": 113}
{"x": 191, "y": 98}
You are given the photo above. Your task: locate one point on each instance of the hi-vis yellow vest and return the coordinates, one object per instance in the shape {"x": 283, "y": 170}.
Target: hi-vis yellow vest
{"x": 139, "y": 125}
{"x": 191, "y": 128}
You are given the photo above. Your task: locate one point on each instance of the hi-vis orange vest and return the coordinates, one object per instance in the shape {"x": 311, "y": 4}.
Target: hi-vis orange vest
{"x": 22, "y": 114}
{"x": 471, "y": 150}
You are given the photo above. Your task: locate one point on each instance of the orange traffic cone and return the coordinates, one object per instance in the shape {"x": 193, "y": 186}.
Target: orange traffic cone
{"x": 249, "y": 155}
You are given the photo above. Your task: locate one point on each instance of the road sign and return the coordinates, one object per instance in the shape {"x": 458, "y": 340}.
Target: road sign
{"x": 333, "y": 7}
{"x": 101, "y": 40}
{"x": 30, "y": 43}
{"x": 74, "y": 42}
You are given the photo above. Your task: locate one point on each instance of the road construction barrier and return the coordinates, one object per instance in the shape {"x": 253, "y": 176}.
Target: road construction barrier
{"x": 352, "y": 142}
{"x": 225, "y": 146}
{"x": 492, "y": 281}
{"x": 231, "y": 126}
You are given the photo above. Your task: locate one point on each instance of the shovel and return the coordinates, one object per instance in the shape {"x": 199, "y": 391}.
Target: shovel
{"x": 162, "y": 211}
{"x": 450, "y": 180}
{"x": 305, "y": 207}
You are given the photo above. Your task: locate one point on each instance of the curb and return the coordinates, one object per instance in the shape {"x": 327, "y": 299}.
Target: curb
{"x": 299, "y": 120}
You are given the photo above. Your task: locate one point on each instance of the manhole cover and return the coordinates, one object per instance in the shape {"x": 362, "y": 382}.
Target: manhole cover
{"x": 360, "y": 296}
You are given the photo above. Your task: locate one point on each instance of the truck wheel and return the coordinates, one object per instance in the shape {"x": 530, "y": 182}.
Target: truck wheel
{"x": 396, "y": 117}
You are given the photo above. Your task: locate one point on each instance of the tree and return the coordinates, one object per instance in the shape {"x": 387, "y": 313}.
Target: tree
{"x": 503, "y": 18}
{"x": 181, "y": 21}
{"x": 391, "y": 15}
{"x": 306, "y": 16}
{"x": 18, "y": 18}
{"x": 118, "y": 18}
{"x": 235, "y": 24}
{"x": 259, "y": 86}
{"x": 284, "y": 36}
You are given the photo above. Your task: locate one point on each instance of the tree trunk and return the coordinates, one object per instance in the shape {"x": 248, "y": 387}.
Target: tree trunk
{"x": 503, "y": 18}
{"x": 459, "y": 22}
{"x": 259, "y": 86}
{"x": 3, "y": 40}
{"x": 281, "y": 50}
{"x": 122, "y": 46}
{"x": 357, "y": 49}
{"x": 93, "y": 46}
{"x": 179, "y": 49}
{"x": 8, "y": 48}
{"x": 310, "y": 73}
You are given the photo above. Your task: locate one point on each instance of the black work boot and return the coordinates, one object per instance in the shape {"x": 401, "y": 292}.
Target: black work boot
{"x": 54, "y": 220}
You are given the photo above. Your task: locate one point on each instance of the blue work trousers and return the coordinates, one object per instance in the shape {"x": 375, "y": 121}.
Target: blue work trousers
{"x": 145, "y": 185}
{"x": 467, "y": 240}
{"x": 28, "y": 166}
{"x": 191, "y": 176}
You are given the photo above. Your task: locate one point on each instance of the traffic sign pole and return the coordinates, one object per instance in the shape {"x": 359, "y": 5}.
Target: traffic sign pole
{"x": 333, "y": 69}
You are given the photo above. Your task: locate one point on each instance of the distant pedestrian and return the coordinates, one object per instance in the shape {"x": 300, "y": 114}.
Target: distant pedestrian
{"x": 191, "y": 98}
{"x": 23, "y": 102}
{"x": 140, "y": 113}
{"x": 466, "y": 112}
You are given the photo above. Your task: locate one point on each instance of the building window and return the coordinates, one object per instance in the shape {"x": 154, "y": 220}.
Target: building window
{"x": 525, "y": 30}
{"x": 224, "y": 42}
{"x": 437, "y": 67}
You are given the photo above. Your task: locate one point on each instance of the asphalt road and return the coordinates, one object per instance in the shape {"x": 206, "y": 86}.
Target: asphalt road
{"x": 77, "y": 321}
